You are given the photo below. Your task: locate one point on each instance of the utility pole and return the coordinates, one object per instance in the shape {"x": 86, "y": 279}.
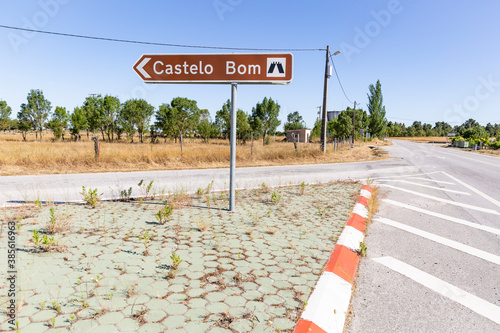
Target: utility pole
{"x": 325, "y": 100}
{"x": 353, "y": 123}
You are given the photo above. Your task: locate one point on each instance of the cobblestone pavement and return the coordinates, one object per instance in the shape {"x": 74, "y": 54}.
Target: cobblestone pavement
{"x": 115, "y": 268}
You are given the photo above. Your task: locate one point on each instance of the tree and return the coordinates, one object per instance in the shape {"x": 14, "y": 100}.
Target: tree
{"x": 5, "y": 112}
{"x": 24, "y": 121}
{"x": 243, "y": 129}
{"x": 58, "y": 122}
{"x": 294, "y": 121}
{"x": 205, "y": 127}
{"x": 316, "y": 131}
{"x": 37, "y": 110}
{"x": 377, "y": 122}
{"x": 341, "y": 126}
{"x": 267, "y": 112}
{"x": 111, "y": 109}
{"x": 94, "y": 113}
{"x": 178, "y": 117}
{"x": 78, "y": 121}
{"x": 136, "y": 115}
{"x": 223, "y": 119}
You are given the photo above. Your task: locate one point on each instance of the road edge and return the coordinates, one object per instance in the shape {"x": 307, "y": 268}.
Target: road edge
{"x": 327, "y": 306}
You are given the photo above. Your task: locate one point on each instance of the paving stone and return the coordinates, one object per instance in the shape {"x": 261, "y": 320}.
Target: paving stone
{"x": 283, "y": 324}
{"x": 83, "y": 325}
{"x": 44, "y": 315}
{"x": 110, "y": 318}
{"x": 176, "y": 298}
{"x": 172, "y": 321}
{"x": 235, "y": 301}
{"x": 217, "y": 307}
{"x": 154, "y": 316}
{"x": 128, "y": 325}
{"x": 215, "y": 296}
{"x": 151, "y": 328}
{"x": 242, "y": 325}
{"x": 175, "y": 309}
{"x": 196, "y": 327}
{"x": 105, "y": 329}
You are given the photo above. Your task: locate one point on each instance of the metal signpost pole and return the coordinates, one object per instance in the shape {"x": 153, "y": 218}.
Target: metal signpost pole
{"x": 353, "y": 123}
{"x": 233, "y": 148}
{"x": 325, "y": 100}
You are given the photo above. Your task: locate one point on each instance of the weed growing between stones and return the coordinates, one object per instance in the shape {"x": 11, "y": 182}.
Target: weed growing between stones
{"x": 163, "y": 215}
{"x": 90, "y": 197}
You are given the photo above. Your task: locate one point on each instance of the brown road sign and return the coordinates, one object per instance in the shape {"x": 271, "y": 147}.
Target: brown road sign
{"x": 255, "y": 68}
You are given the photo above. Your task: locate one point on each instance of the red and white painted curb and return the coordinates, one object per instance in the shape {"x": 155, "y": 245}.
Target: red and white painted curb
{"x": 326, "y": 309}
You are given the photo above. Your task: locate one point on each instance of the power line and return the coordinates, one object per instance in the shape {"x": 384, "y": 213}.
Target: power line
{"x": 336, "y": 74}
{"x": 154, "y": 43}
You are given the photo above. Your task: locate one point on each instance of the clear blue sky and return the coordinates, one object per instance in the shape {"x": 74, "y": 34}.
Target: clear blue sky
{"x": 436, "y": 60}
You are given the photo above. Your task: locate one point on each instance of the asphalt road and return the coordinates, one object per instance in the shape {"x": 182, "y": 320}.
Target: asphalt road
{"x": 433, "y": 250}
{"x": 67, "y": 188}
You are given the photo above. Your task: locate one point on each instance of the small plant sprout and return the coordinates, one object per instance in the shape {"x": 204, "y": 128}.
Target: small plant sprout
{"x": 145, "y": 239}
{"x": 36, "y": 237}
{"x": 146, "y": 189}
{"x": 90, "y": 197}
{"x": 362, "y": 249}
{"x": 42, "y": 305}
{"x": 52, "y": 322}
{"x": 125, "y": 194}
{"x": 302, "y": 188}
{"x": 163, "y": 215}
{"x": 176, "y": 261}
{"x": 72, "y": 317}
{"x": 96, "y": 279}
{"x": 275, "y": 198}
{"x": 209, "y": 187}
{"x": 56, "y": 306}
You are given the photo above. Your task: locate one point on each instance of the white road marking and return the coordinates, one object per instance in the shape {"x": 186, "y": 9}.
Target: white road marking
{"x": 412, "y": 175}
{"x": 427, "y": 186}
{"x": 433, "y": 155}
{"x": 473, "y": 189}
{"x": 476, "y": 304}
{"x": 444, "y": 241}
{"x": 477, "y": 160}
{"x": 443, "y": 217}
{"x": 463, "y": 205}
{"x": 434, "y": 181}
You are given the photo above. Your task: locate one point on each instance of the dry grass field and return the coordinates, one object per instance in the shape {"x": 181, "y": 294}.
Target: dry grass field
{"x": 47, "y": 157}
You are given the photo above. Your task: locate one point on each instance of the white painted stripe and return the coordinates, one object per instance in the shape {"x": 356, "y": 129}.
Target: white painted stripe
{"x": 444, "y": 241}
{"x": 327, "y": 306}
{"x": 443, "y": 217}
{"x": 473, "y": 189}
{"x": 476, "y": 304}
{"x": 463, "y": 205}
{"x": 476, "y": 159}
{"x": 365, "y": 193}
{"x": 432, "y": 187}
{"x": 433, "y": 180}
{"x": 360, "y": 210}
{"x": 406, "y": 176}
{"x": 351, "y": 237}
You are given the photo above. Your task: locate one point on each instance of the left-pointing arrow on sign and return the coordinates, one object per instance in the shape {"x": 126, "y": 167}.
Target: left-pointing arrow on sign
{"x": 141, "y": 70}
